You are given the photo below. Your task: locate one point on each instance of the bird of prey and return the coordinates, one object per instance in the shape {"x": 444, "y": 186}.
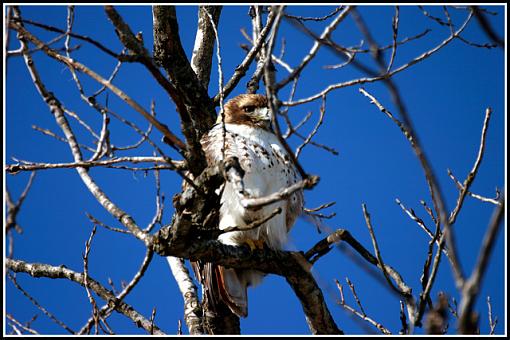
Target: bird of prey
{"x": 245, "y": 131}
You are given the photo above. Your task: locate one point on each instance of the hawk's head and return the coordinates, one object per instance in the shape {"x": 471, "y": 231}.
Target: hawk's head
{"x": 248, "y": 109}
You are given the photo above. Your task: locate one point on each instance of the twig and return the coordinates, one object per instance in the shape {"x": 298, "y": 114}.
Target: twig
{"x": 472, "y": 286}
{"x": 301, "y": 18}
{"x": 269, "y": 79}
{"x": 153, "y": 316}
{"x": 112, "y": 76}
{"x": 470, "y": 43}
{"x": 315, "y": 129}
{"x": 41, "y": 308}
{"x": 57, "y": 137}
{"x": 434, "y": 18}
{"x": 81, "y": 122}
{"x": 179, "y": 327}
{"x": 399, "y": 69}
{"x": 412, "y": 215}
{"x": 99, "y": 223}
{"x": 376, "y": 247}
{"x": 315, "y": 48}
{"x": 362, "y": 315}
{"x": 255, "y": 224}
{"x": 107, "y": 309}
{"x": 145, "y": 136}
{"x": 429, "y": 211}
{"x": 453, "y": 309}
{"x": 437, "y": 199}
{"x": 293, "y": 129}
{"x": 61, "y": 272}
{"x": 14, "y": 208}
{"x": 353, "y": 291}
{"x": 7, "y": 36}
{"x": 103, "y": 144}
{"x": 159, "y": 204}
{"x": 240, "y": 71}
{"x": 57, "y": 110}
{"x": 358, "y": 49}
{"x": 324, "y": 246}
{"x": 218, "y": 56}
{"x": 19, "y": 324}
{"x": 419, "y": 221}
{"x": 28, "y": 166}
{"x": 403, "y": 320}
{"x": 395, "y": 33}
{"x": 472, "y": 174}
{"x": 276, "y": 59}
{"x": 349, "y": 60}
{"x": 486, "y": 27}
{"x": 459, "y": 185}
{"x": 19, "y": 52}
{"x": 322, "y": 206}
{"x": 492, "y": 322}
{"x": 126, "y": 58}
{"x": 253, "y": 203}
{"x": 318, "y": 145}
{"x": 256, "y": 22}
{"x": 70, "y": 21}
{"x": 72, "y": 64}
{"x": 95, "y": 312}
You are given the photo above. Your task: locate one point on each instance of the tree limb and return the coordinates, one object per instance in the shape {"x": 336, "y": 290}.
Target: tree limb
{"x": 61, "y": 272}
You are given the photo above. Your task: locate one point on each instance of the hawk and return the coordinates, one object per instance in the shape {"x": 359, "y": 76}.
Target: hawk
{"x": 245, "y": 132}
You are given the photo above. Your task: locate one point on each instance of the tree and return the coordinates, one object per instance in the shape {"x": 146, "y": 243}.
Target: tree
{"x": 377, "y": 54}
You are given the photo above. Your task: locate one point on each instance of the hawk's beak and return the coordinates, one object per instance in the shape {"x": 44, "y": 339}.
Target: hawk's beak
{"x": 263, "y": 114}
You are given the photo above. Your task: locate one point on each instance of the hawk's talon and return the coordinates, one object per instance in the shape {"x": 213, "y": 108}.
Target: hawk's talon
{"x": 255, "y": 244}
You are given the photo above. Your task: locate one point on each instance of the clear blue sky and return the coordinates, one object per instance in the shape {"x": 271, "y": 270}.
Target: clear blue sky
{"x": 446, "y": 96}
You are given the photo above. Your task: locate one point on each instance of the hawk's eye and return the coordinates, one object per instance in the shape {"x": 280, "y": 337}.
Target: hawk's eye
{"x": 249, "y": 108}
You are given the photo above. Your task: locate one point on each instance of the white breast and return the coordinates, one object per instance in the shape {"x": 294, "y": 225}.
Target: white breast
{"x": 268, "y": 169}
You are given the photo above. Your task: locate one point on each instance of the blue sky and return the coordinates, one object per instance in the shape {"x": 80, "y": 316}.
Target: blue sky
{"x": 446, "y": 96}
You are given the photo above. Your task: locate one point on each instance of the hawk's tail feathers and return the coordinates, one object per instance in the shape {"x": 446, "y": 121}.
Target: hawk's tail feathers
{"x": 233, "y": 290}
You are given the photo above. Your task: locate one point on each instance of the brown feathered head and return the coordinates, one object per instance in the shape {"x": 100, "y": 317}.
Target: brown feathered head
{"x": 248, "y": 109}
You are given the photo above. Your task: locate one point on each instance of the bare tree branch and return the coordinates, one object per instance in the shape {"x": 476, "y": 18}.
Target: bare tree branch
{"x": 125, "y": 58}
{"x": 82, "y": 68}
{"x": 494, "y": 201}
{"x": 492, "y": 321}
{"x": 395, "y": 71}
{"x": 56, "y": 109}
{"x": 315, "y": 48}
{"x": 197, "y": 110}
{"x": 27, "y": 166}
{"x": 14, "y": 208}
{"x": 485, "y": 25}
{"x": 472, "y": 286}
{"x": 240, "y": 70}
{"x": 61, "y": 272}
{"x": 19, "y": 324}
{"x": 472, "y": 174}
{"x": 201, "y": 60}
{"x": 107, "y": 309}
{"x": 41, "y": 308}
{"x": 192, "y": 308}
{"x": 361, "y": 315}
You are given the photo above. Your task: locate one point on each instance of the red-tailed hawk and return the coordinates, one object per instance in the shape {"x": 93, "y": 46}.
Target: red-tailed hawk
{"x": 247, "y": 135}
